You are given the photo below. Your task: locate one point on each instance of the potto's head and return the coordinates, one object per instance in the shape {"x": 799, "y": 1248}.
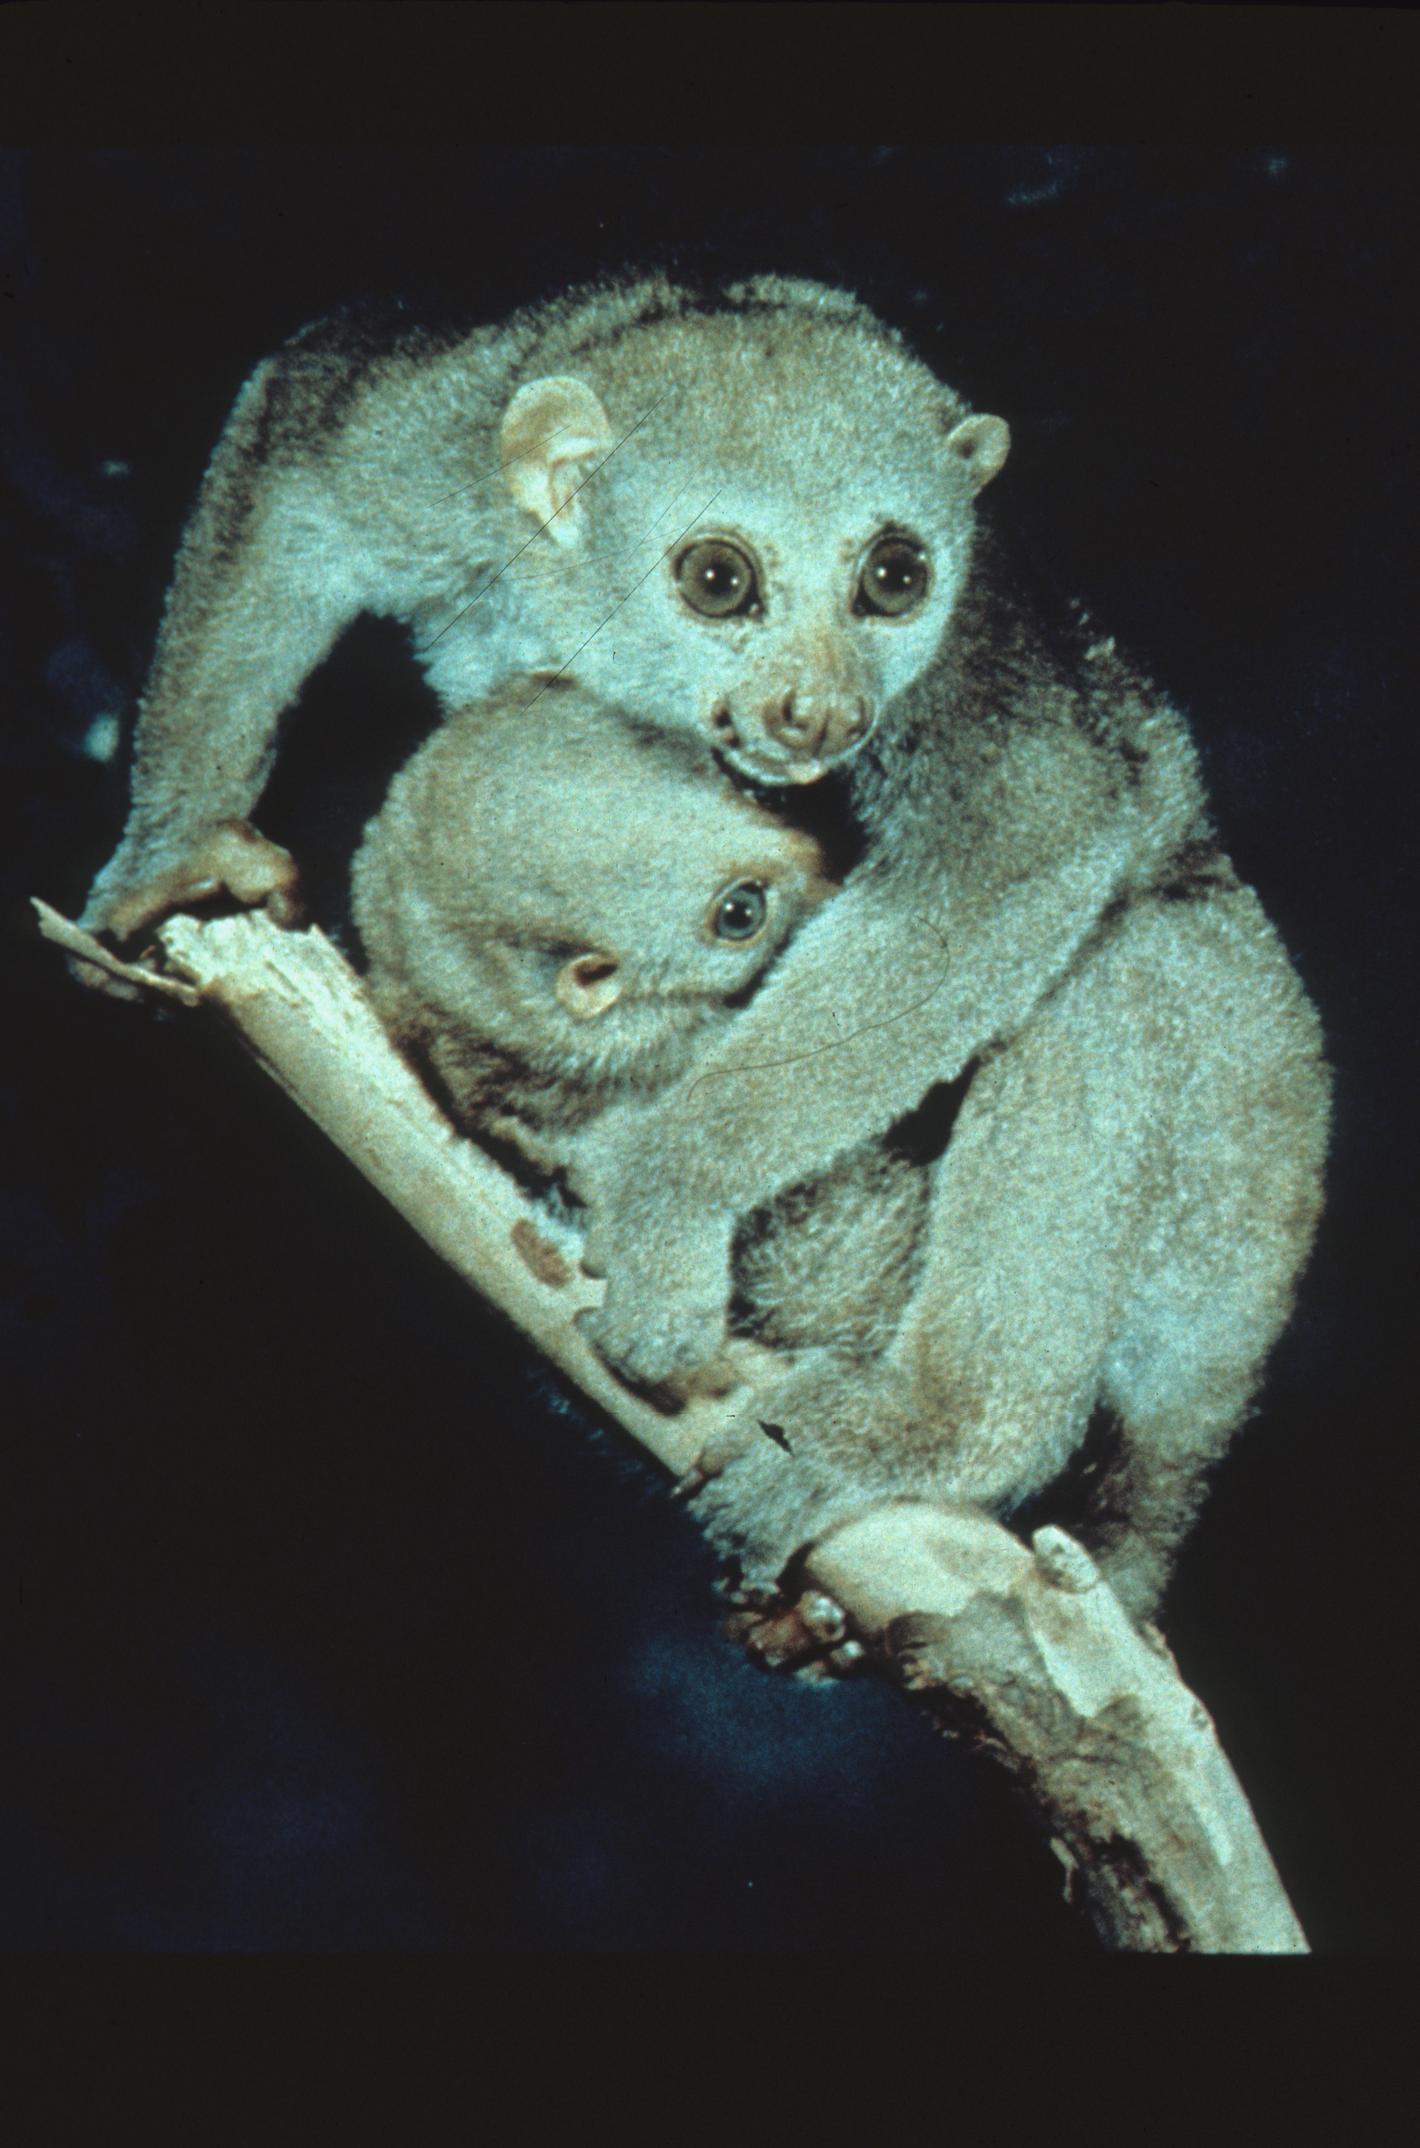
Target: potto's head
{"x": 767, "y": 506}
{"x": 576, "y": 890}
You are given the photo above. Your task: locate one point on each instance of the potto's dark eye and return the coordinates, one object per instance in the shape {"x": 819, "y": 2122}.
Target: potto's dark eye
{"x": 894, "y": 579}
{"x": 740, "y": 913}
{"x": 717, "y": 579}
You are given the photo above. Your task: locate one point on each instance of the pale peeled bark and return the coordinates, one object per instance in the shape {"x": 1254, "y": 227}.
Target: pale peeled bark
{"x": 1026, "y": 1649}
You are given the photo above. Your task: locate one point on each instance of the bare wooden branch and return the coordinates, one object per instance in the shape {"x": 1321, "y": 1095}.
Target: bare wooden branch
{"x": 1033, "y": 1648}
{"x": 1026, "y": 1650}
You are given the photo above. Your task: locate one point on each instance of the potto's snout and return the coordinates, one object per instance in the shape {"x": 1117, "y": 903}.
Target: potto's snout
{"x": 794, "y": 736}
{"x": 815, "y": 726}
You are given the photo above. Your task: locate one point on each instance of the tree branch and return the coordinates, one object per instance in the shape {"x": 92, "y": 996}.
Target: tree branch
{"x": 1025, "y": 1650}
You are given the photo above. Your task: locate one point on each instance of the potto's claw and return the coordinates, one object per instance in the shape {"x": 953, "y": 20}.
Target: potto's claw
{"x": 825, "y": 1619}
{"x": 801, "y": 1638}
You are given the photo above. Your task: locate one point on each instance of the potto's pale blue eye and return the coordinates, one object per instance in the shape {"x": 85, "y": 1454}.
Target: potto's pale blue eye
{"x": 740, "y": 913}
{"x": 894, "y": 579}
{"x": 717, "y": 579}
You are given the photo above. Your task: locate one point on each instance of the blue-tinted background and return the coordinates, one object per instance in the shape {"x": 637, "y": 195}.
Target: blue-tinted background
{"x": 339, "y": 1629}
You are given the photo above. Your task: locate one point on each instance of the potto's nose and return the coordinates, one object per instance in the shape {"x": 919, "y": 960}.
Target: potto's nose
{"x": 812, "y": 727}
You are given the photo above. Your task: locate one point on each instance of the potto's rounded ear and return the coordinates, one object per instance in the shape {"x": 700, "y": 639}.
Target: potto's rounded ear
{"x": 588, "y": 984}
{"x": 982, "y": 444}
{"x": 552, "y": 431}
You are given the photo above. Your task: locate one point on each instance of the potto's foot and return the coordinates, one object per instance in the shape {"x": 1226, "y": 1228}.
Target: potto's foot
{"x": 807, "y": 1637}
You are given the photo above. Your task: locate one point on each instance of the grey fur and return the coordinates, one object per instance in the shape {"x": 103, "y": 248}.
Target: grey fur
{"x": 1129, "y": 1187}
{"x": 1134, "y": 1180}
{"x": 521, "y": 839}
{"x": 520, "y": 497}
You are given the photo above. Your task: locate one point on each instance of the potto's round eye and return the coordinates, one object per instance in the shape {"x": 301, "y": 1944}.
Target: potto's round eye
{"x": 740, "y": 913}
{"x": 894, "y": 578}
{"x": 717, "y": 579}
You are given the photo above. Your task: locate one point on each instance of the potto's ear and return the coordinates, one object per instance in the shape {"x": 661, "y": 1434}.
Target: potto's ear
{"x": 553, "y": 432}
{"x": 982, "y": 444}
{"x": 588, "y": 984}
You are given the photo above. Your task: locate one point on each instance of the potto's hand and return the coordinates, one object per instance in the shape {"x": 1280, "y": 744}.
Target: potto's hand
{"x": 662, "y": 1322}
{"x": 141, "y": 887}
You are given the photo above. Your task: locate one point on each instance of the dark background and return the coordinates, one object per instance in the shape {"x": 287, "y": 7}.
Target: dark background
{"x": 340, "y": 1630}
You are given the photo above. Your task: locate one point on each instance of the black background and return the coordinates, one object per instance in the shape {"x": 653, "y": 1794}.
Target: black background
{"x": 339, "y": 1629}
